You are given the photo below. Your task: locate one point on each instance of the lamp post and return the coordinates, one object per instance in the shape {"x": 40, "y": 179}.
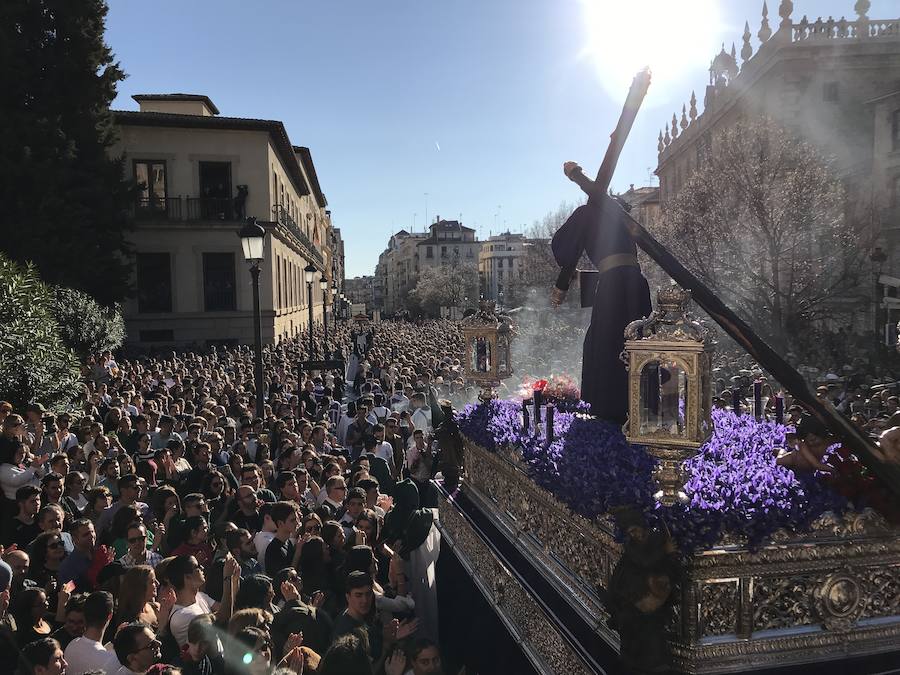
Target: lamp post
{"x": 334, "y": 316}
{"x": 309, "y": 273}
{"x": 323, "y": 284}
{"x": 253, "y": 238}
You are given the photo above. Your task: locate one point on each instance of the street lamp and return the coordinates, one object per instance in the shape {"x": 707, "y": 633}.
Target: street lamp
{"x": 323, "y": 284}
{"x": 334, "y": 316}
{"x": 309, "y": 273}
{"x": 253, "y": 238}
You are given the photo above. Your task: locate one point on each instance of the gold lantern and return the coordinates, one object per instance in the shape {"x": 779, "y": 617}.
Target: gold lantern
{"x": 668, "y": 356}
{"x": 487, "y": 348}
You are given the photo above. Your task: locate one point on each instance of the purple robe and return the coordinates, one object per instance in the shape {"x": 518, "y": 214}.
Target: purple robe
{"x": 622, "y": 296}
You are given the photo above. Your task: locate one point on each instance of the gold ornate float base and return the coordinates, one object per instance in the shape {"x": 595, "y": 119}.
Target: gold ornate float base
{"x": 825, "y": 595}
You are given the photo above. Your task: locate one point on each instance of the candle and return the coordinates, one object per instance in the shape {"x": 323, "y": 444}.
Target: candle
{"x": 538, "y": 400}
{"x": 757, "y": 399}
{"x": 736, "y": 400}
{"x": 779, "y": 408}
{"x": 550, "y": 412}
{"x": 526, "y": 419}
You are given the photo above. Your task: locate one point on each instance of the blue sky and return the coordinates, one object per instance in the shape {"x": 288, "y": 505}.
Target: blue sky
{"x": 475, "y": 102}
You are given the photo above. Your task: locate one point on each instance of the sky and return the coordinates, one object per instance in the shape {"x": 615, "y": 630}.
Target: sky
{"x": 458, "y": 108}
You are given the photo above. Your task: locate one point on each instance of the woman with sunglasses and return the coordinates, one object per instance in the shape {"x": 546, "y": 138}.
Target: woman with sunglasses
{"x": 47, "y": 553}
{"x": 73, "y": 499}
{"x": 29, "y": 609}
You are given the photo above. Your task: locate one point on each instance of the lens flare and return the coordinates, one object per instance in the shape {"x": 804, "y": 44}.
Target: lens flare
{"x": 671, "y": 38}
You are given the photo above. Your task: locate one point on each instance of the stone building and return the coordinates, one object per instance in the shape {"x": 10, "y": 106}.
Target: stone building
{"x": 200, "y": 174}
{"x": 501, "y": 266}
{"x": 397, "y": 271}
{"x": 361, "y": 290}
{"x": 834, "y": 83}
{"x": 408, "y": 254}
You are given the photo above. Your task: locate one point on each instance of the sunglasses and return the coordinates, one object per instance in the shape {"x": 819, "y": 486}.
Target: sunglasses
{"x": 56, "y": 544}
{"x": 312, "y": 528}
{"x": 150, "y": 645}
{"x": 135, "y": 540}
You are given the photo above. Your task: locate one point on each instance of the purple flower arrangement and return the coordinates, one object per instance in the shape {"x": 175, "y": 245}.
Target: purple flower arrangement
{"x": 734, "y": 486}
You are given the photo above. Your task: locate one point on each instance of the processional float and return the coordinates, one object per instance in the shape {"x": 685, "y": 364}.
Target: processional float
{"x": 830, "y": 593}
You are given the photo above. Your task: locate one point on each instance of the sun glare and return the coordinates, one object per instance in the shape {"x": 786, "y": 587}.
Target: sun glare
{"x": 670, "y": 37}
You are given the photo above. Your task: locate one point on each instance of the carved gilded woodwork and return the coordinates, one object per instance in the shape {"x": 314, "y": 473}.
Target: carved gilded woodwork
{"x": 826, "y": 594}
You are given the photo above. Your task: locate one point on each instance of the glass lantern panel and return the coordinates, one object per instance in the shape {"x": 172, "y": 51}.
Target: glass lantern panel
{"x": 480, "y": 355}
{"x": 663, "y": 398}
{"x": 503, "y": 356}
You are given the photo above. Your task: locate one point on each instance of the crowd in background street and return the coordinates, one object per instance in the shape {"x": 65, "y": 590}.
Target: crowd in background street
{"x": 162, "y": 525}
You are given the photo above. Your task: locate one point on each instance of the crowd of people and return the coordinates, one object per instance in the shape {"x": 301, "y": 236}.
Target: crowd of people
{"x": 163, "y": 526}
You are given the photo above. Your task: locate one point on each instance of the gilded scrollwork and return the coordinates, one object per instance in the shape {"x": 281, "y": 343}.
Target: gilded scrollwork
{"x": 718, "y": 607}
{"x": 738, "y": 608}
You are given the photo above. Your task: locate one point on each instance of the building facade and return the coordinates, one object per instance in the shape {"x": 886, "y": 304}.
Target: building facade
{"x": 409, "y": 253}
{"x": 501, "y": 267}
{"x": 200, "y": 175}
{"x": 398, "y": 270}
{"x": 361, "y": 290}
{"x": 835, "y": 84}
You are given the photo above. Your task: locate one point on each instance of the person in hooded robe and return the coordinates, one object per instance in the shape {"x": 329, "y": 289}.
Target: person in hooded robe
{"x": 640, "y": 594}
{"x": 414, "y": 534}
{"x": 449, "y": 457}
{"x": 622, "y": 295}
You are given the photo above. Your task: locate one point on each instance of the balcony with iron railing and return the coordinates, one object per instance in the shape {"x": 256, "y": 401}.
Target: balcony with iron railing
{"x": 184, "y": 208}
{"x": 214, "y": 209}
{"x": 284, "y": 217}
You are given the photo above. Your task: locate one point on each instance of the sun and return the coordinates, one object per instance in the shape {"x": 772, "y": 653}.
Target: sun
{"x": 671, "y": 38}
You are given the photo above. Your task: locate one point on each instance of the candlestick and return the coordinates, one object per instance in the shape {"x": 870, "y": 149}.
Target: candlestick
{"x": 757, "y": 399}
{"x": 550, "y": 412}
{"x": 526, "y": 418}
{"x": 779, "y": 408}
{"x": 736, "y": 400}
{"x": 538, "y": 400}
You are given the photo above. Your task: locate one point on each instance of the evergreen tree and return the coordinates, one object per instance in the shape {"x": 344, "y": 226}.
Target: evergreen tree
{"x": 85, "y": 326}
{"x": 36, "y": 365}
{"x": 63, "y": 200}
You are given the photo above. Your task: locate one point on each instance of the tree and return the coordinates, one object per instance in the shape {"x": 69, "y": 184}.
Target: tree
{"x": 86, "y": 327}
{"x": 35, "y": 364}
{"x": 764, "y": 222}
{"x": 446, "y": 286}
{"x": 64, "y": 200}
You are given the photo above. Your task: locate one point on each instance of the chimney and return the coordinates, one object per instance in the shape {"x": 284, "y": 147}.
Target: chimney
{"x": 177, "y": 104}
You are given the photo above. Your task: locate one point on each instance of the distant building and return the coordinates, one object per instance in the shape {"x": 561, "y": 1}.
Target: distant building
{"x": 644, "y": 203}
{"x": 408, "y": 254}
{"x": 361, "y": 290}
{"x": 200, "y": 175}
{"x": 397, "y": 271}
{"x": 501, "y": 266}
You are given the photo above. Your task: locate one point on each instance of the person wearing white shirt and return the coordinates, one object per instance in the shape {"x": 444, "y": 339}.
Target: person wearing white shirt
{"x": 12, "y": 475}
{"x": 87, "y": 653}
{"x": 421, "y": 415}
{"x": 187, "y": 577}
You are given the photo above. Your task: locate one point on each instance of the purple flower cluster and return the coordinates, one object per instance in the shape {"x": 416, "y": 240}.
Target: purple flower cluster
{"x": 734, "y": 485}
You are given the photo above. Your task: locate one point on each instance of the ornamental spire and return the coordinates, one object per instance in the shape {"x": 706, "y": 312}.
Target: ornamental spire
{"x": 666, "y": 138}
{"x": 659, "y": 146}
{"x": 784, "y": 11}
{"x": 684, "y": 121}
{"x": 746, "y": 50}
{"x": 674, "y": 127}
{"x": 861, "y": 7}
{"x": 764, "y": 31}
{"x": 693, "y": 112}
